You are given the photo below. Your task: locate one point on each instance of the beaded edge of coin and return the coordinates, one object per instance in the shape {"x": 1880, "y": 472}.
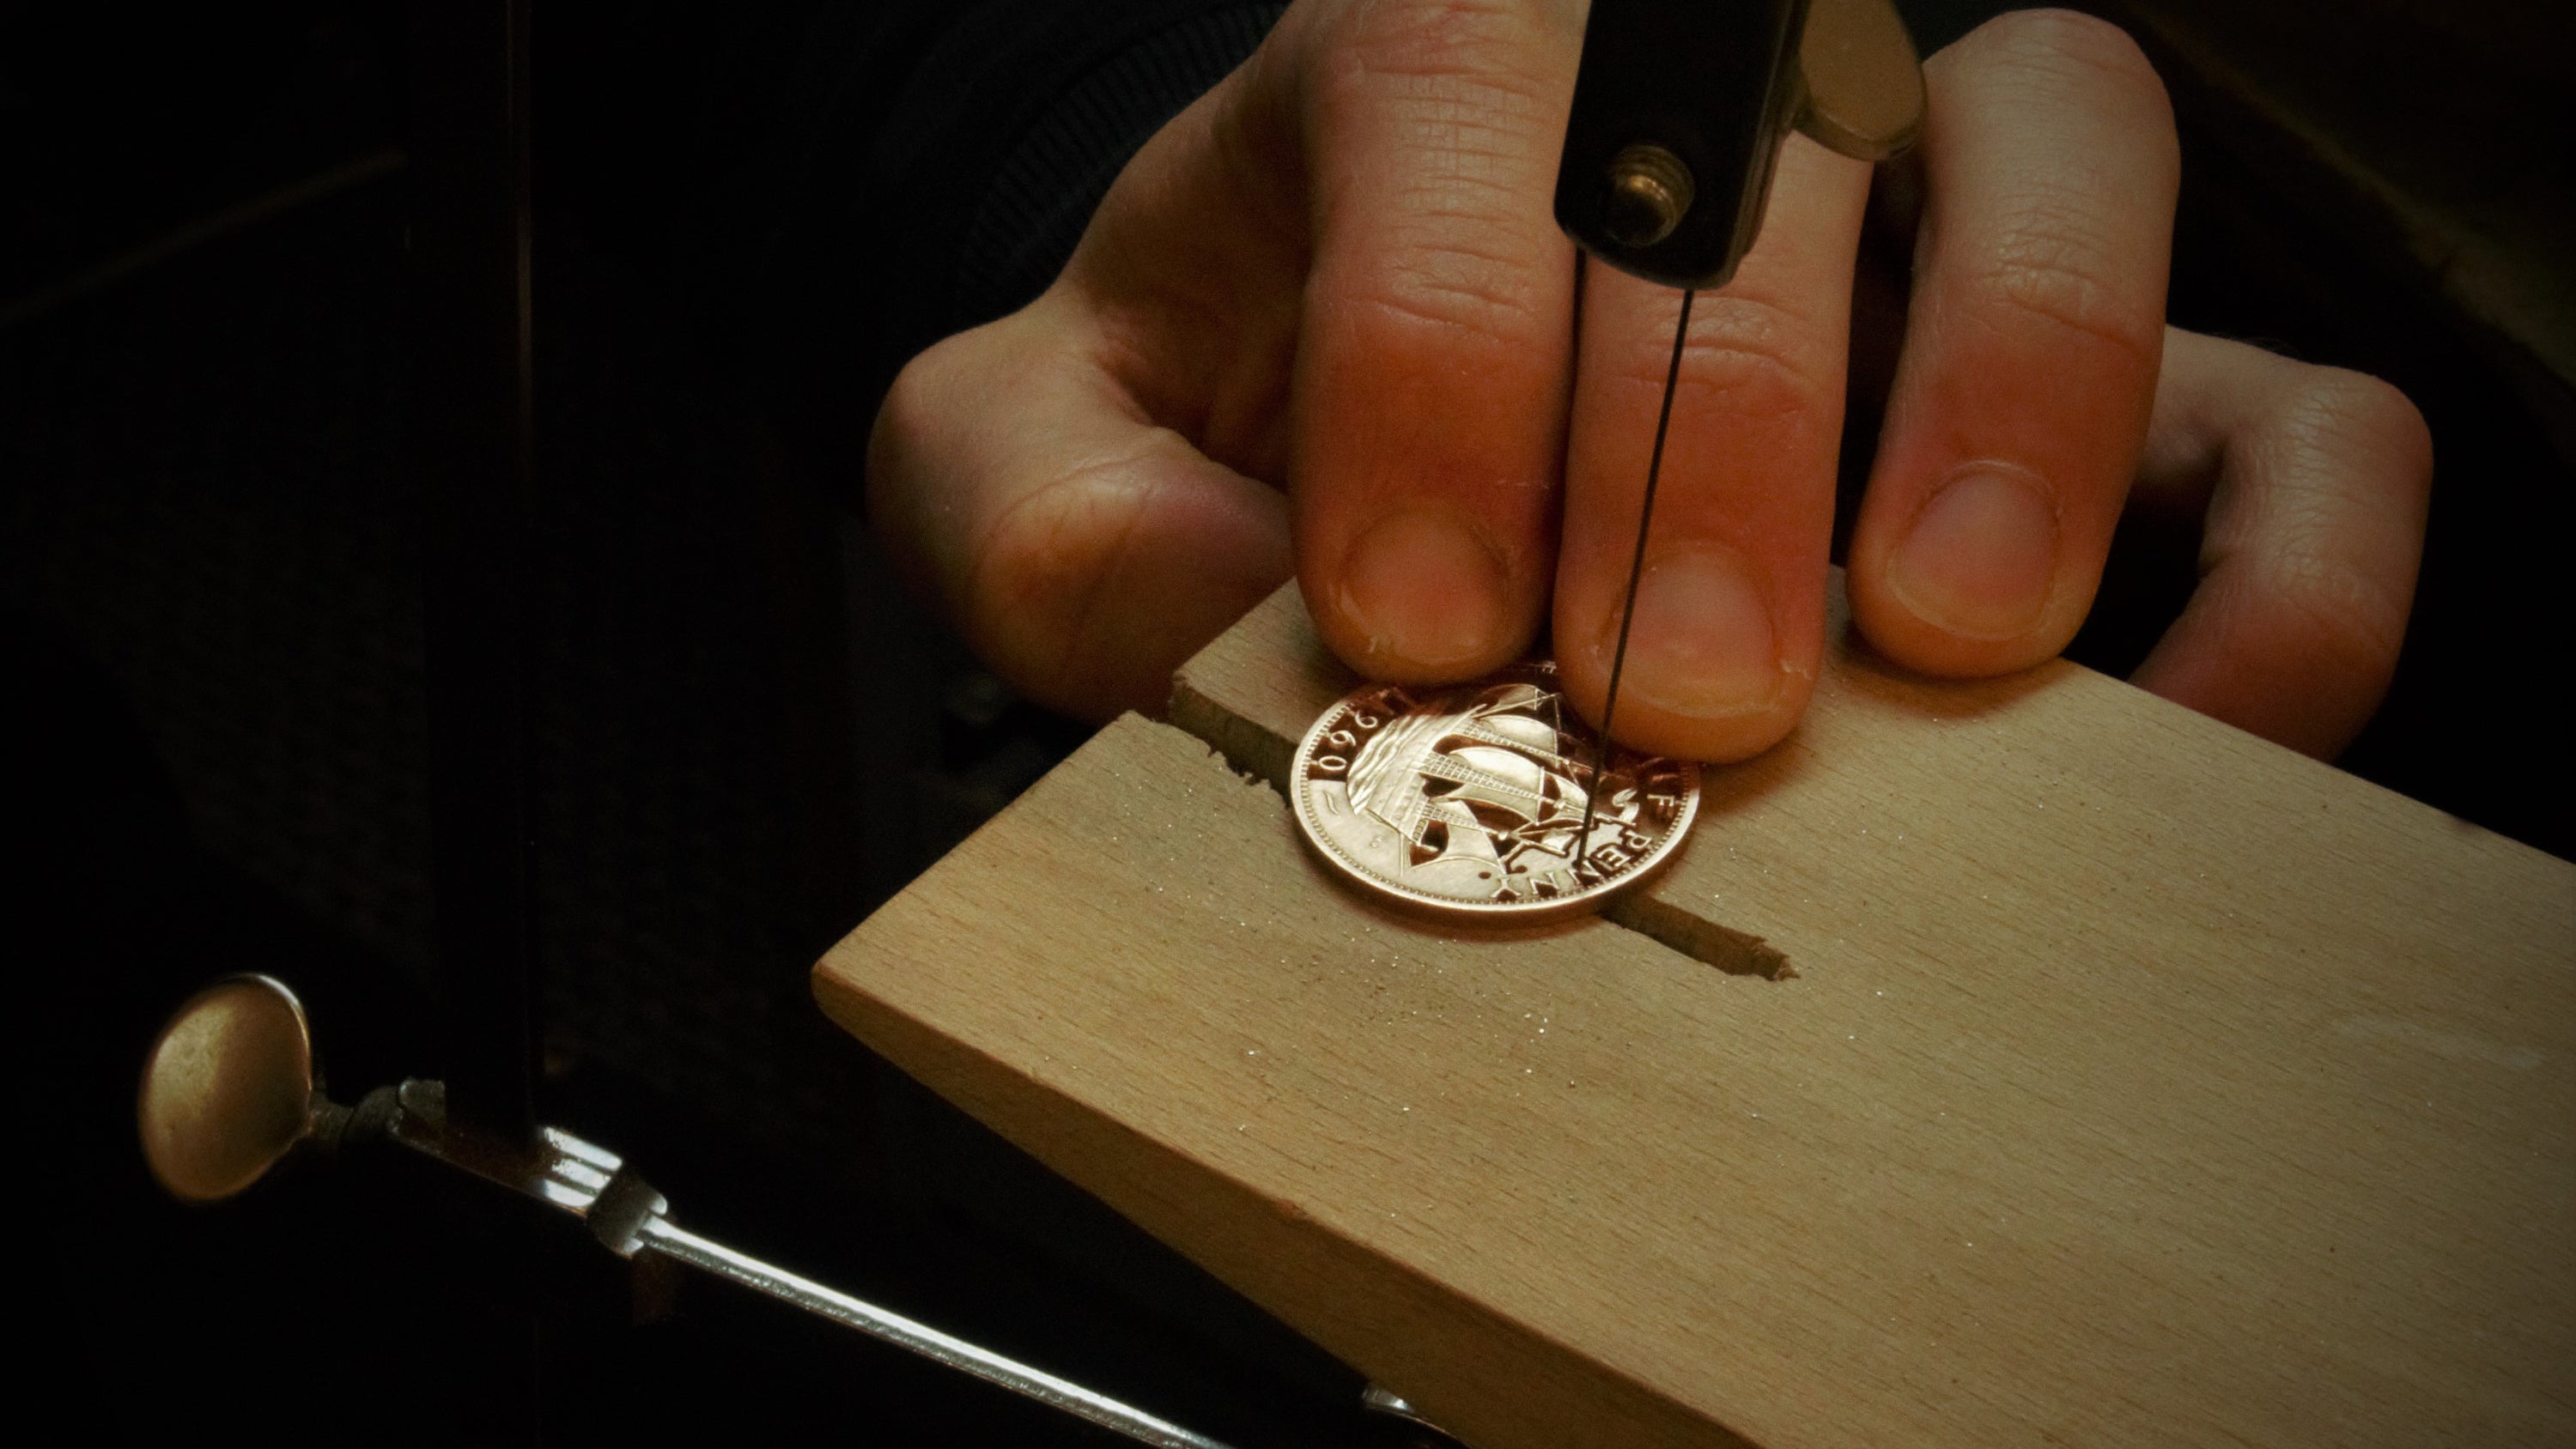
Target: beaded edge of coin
{"x": 1336, "y": 749}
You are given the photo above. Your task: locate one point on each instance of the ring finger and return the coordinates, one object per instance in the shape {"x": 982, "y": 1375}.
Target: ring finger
{"x": 2032, "y": 342}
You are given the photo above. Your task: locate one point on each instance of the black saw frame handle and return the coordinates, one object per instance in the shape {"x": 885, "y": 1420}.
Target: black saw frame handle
{"x": 1680, "y": 107}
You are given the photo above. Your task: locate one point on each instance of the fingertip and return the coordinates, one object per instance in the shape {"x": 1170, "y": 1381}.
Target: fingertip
{"x": 1715, "y": 669}
{"x": 1722, "y": 741}
{"x": 2302, "y": 659}
{"x": 1979, "y": 558}
{"x": 1980, "y": 580}
{"x": 2379, "y": 420}
{"x": 1645, "y": 723}
{"x": 1422, "y": 595}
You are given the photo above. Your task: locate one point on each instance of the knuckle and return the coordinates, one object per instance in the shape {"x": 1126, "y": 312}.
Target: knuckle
{"x": 2335, "y": 447}
{"x": 2050, "y": 263}
{"x": 1438, "y": 304}
{"x": 910, "y": 401}
{"x": 924, "y": 395}
{"x": 904, "y": 440}
{"x": 2355, "y": 413}
{"x": 1448, "y": 284}
{"x": 1476, "y": 80}
{"x": 2330, "y": 458}
{"x": 1440, "y": 118}
{"x": 1752, "y": 355}
{"x": 1436, "y": 37}
{"x": 2338, "y": 615}
{"x": 2068, "y": 50}
{"x": 1049, "y": 547}
{"x": 1042, "y": 564}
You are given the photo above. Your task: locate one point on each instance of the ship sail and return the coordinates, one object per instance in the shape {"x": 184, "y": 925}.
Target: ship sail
{"x": 1486, "y": 782}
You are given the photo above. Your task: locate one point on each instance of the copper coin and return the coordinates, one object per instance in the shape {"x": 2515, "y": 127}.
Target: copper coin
{"x": 1466, "y": 800}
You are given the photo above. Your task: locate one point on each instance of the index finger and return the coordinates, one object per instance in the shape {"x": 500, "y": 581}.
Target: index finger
{"x": 1430, "y": 386}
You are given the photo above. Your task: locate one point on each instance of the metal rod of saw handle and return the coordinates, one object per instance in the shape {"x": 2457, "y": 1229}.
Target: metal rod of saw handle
{"x": 627, "y": 1216}
{"x": 473, "y": 434}
{"x": 662, "y": 1236}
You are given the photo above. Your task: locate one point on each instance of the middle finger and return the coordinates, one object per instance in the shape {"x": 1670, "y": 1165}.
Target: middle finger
{"x": 1729, "y": 615}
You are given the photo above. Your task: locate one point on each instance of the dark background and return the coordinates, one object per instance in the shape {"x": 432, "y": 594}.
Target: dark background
{"x": 745, "y": 737}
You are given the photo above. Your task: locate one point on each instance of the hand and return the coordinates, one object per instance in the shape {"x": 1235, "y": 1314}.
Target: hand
{"x": 1328, "y": 304}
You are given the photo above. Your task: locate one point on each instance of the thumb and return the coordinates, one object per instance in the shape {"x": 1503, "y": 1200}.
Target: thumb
{"x": 1083, "y": 551}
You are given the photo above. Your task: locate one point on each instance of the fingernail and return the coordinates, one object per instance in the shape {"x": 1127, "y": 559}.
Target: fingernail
{"x": 1981, "y": 558}
{"x": 1425, "y": 589}
{"x": 1701, "y": 645}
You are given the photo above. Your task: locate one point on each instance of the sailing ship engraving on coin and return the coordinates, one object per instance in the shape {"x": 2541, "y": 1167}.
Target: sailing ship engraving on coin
{"x": 1466, "y": 800}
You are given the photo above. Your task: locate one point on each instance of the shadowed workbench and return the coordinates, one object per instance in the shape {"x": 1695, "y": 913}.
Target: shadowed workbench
{"x": 2129, "y": 1080}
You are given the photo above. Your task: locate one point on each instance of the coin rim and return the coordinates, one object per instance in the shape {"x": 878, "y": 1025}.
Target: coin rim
{"x": 1590, "y": 900}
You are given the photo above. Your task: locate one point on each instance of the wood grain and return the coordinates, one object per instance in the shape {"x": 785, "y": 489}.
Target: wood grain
{"x": 2142, "y": 1083}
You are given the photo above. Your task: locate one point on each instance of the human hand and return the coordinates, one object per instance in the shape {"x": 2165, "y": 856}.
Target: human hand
{"x": 1328, "y": 303}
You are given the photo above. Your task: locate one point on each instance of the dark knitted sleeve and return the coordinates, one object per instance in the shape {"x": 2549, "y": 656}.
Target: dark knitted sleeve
{"x": 1043, "y": 193}
{"x": 936, "y": 176}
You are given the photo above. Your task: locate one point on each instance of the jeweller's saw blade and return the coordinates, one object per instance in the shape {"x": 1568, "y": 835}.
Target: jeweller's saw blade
{"x": 1636, "y": 575}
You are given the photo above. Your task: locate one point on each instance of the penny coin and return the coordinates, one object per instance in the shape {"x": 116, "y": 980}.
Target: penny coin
{"x": 1466, "y": 799}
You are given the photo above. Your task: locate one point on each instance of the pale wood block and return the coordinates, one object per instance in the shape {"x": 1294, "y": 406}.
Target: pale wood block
{"x": 2143, "y": 1083}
